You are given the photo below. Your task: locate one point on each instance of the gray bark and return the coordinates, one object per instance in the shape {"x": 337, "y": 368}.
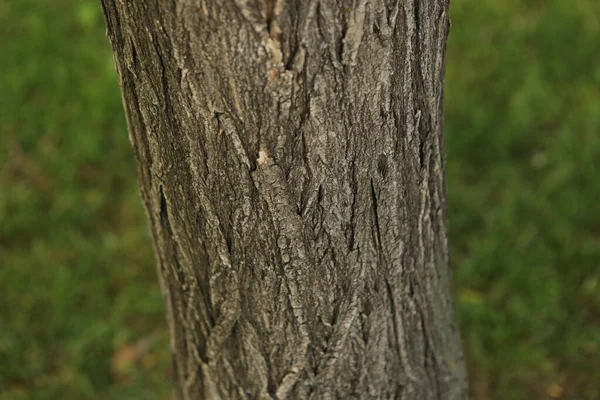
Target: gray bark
{"x": 291, "y": 162}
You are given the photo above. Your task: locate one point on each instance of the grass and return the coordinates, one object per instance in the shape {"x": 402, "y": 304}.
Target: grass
{"x": 523, "y": 134}
{"x": 79, "y": 302}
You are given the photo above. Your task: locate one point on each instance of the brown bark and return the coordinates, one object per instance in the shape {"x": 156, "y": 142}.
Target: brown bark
{"x": 291, "y": 162}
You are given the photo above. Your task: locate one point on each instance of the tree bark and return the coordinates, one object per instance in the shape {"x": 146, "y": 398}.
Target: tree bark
{"x": 291, "y": 162}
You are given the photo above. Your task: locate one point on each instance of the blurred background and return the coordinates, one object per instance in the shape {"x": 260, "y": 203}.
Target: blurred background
{"x": 81, "y": 314}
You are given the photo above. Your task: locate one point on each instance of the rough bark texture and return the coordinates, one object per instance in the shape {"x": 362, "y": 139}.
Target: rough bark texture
{"x": 291, "y": 162}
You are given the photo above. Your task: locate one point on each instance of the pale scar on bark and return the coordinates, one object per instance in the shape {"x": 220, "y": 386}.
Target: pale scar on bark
{"x": 263, "y": 157}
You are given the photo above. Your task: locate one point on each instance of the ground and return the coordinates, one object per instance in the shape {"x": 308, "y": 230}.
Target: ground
{"x": 81, "y": 315}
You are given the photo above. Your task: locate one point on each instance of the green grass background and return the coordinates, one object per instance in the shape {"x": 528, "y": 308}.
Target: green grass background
{"x": 78, "y": 294}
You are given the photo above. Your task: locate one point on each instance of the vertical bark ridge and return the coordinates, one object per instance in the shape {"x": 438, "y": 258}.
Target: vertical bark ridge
{"x": 291, "y": 162}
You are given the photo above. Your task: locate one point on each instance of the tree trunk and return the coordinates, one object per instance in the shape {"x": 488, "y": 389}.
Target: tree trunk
{"x": 291, "y": 162}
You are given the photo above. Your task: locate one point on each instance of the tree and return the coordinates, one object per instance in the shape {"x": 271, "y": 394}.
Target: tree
{"x": 291, "y": 162}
